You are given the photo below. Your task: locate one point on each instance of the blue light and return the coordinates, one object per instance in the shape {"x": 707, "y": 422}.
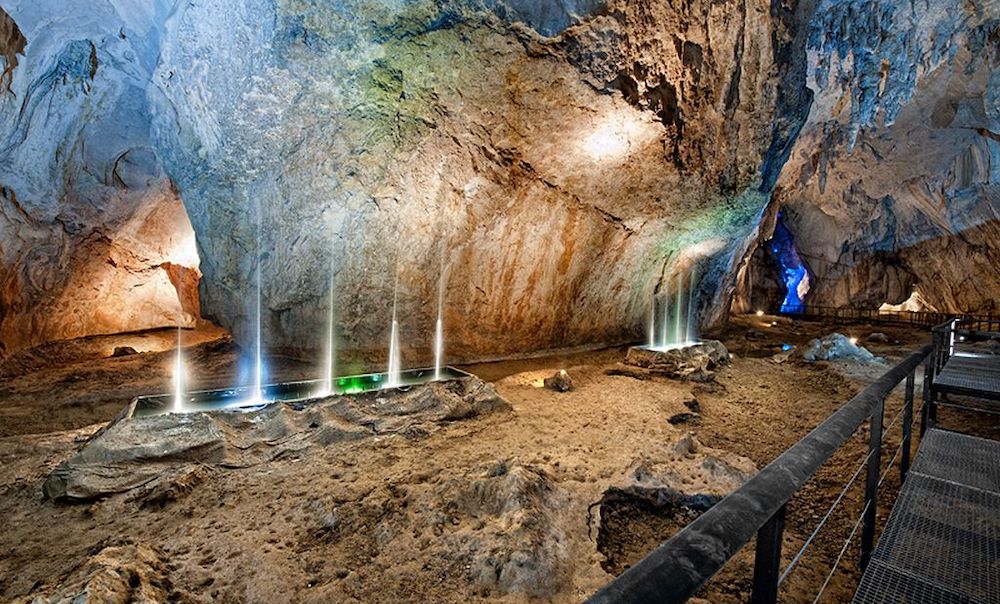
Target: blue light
{"x": 791, "y": 269}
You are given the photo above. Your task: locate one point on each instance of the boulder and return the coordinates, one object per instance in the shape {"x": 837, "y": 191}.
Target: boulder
{"x": 123, "y": 351}
{"x": 694, "y": 362}
{"x": 838, "y": 347}
{"x": 877, "y": 338}
{"x": 560, "y": 382}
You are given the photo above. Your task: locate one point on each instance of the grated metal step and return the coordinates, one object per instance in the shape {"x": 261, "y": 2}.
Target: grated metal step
{"x": 942, "y": 540}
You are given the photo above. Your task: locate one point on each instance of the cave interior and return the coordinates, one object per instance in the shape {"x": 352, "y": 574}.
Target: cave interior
{"x": 247, "y": 206}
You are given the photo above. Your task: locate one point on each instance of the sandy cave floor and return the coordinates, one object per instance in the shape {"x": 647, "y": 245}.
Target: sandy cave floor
{"x": 338, "y": 524}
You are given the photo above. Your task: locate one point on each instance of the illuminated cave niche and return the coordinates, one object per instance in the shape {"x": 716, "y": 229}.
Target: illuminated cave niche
{"x": 794, "y": 275}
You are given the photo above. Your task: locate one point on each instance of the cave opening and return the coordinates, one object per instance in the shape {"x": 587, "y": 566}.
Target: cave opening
{"x": 793, "y": 275}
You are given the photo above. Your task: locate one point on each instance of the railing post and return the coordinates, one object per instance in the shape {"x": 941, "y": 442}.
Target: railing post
{"x": 904, "y": 462}
{"x": 767, "y": 560}
{"x": 871, "y": 483}
{"x": 928, "y": 390}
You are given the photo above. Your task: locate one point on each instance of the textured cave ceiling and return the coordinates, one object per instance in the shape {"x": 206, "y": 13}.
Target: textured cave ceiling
{"x": 558, "y": 161}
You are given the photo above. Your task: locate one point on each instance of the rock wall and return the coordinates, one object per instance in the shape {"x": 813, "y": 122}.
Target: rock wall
{"x": 546, "y": 166}
{"x": 892, "y": 187}
{"x": 555, "y": 161}
{"x": 93, "y": 235}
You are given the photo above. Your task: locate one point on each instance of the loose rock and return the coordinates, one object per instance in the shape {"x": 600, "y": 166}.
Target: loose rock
{"x": 836, "y": 347}
{"x": 691, "y": 362}
{"x": 684, "y": 418}
{"x": 560, "y": 382}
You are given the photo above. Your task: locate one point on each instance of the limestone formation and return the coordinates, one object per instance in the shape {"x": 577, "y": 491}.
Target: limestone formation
{"x": 93, "y": 235}
{"x": 161, "y": 454}
{"x": 557, "y": 160}
{"x": 689, "y": 361}
{"x": 838, "y": 347}
{"x": 554, "y": 164}
{"x": 892, "y": 190}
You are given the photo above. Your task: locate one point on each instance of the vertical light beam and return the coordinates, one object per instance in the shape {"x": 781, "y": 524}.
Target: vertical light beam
{"x": 179, "y": 376}
{"x": 395, "y": 365}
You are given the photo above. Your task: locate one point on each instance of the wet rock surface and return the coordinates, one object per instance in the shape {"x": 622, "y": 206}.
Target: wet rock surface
{"x": 694, "y": 362}
{"x": 162, "y": 453}
{"x": 838, "y": 347}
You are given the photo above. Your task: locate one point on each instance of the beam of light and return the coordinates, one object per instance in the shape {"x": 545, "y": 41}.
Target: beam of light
{"x": 679, "y": 310}
{"x": 665, "y": 322}
{"x": 257, "y": 396}
{"x": 179, "y": 376}
{"x": 439, "y": 328}
{"x": 652, "y": 323}
{"x": 691, "y": 334}
{"x": 394, "y": 373}
{"x": 330, "y": 367}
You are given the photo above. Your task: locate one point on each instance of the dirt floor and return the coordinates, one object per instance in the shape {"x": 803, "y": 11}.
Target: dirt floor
{"x": 393, "y": 519}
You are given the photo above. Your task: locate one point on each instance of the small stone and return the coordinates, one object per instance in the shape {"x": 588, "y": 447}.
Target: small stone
{"x": 754, "y": 334}
{"x": 124, "y": 351}
{"x": 687, "y": 445}
{"x": 878, "y": 338}
{"x": 684, "y": 418}
{"x": 693, "y": 405}
{"x": 560, "y": 382}
{"x": 781, "y": 357}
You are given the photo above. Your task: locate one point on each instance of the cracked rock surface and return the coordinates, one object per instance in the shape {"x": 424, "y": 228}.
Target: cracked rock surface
{"x": 94, "y": 237}
{"x": 892, "y": 187}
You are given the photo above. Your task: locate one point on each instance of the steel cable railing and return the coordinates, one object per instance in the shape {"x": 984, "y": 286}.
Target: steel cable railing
{"x": 682, "y": 565}
{"x": 840, "y": 497}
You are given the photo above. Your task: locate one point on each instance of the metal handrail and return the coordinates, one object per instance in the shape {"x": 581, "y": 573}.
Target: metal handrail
{"x": 675, "y": 570}
{"x": 907, "y": 317}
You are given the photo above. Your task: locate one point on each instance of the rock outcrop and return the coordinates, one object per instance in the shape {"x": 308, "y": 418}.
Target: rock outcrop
{"x": 697, "y": 360}
{"x": 892, "y": 188}
{"x": 93, "y": 235}
{"x": 158, "y": 454}
{"x": 545, "y": 168}
{"x": 838, "y": 347}
{"x": 120, "y": 572}
{"x": 556, "y": 176}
